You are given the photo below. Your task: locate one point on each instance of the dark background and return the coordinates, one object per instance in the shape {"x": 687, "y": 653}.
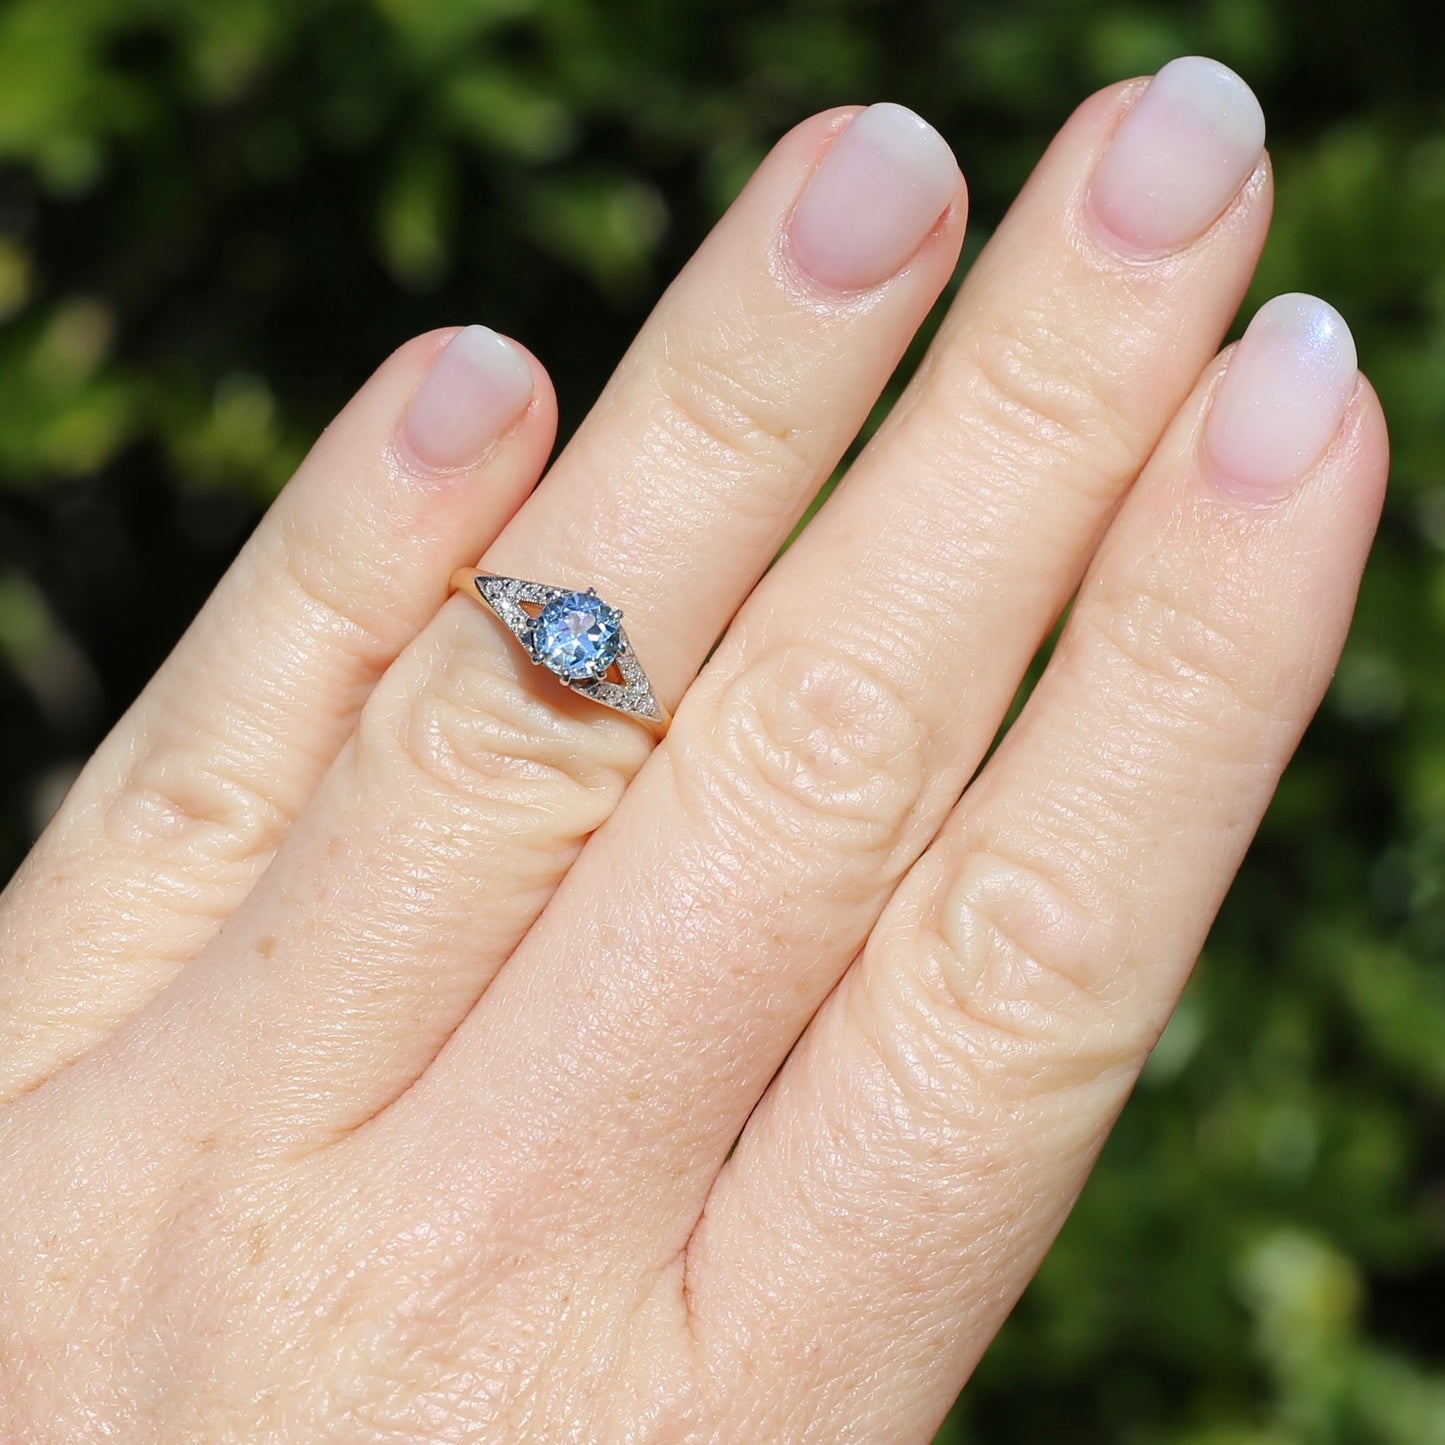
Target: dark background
{"x": 216, "y": 216}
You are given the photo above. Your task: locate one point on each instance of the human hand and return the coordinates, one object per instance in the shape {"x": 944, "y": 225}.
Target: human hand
{"x": 378, "y": 1018}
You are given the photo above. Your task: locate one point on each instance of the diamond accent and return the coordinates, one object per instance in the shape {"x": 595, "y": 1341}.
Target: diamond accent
{"x": 634, "y": 694}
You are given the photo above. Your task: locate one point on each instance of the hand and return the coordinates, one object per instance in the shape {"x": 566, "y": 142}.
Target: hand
{"x": 396, "y": 1045}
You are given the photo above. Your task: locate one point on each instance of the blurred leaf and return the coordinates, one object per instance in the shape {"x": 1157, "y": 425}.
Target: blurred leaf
{"x": 605, "y": 224}
{"x": 413, "y": 216}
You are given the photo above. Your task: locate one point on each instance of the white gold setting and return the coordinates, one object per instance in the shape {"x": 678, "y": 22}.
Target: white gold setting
{"x": 510, "y": 598}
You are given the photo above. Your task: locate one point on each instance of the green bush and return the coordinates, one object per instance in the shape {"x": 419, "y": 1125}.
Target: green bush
{"x": 216, "y": 218}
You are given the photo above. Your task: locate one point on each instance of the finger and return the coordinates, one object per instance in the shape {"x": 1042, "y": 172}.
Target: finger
{"x": 471, "y": 780}
{"x": 851, "y": 700}
{"x": 919, "y": 1151}
{"x": 182, "y": 806}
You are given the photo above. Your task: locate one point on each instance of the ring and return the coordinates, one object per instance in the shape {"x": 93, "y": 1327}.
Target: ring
{"x": 575, "y": 635}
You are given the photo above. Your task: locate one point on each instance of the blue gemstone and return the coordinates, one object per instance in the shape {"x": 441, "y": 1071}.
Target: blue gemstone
{"x": 577, "y": 636}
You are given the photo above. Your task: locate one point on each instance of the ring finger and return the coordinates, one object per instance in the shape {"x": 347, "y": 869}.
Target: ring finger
{"x": 471, "y": 780}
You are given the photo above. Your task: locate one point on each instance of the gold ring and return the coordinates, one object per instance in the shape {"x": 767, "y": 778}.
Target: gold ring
{"x": 576, "y": 636}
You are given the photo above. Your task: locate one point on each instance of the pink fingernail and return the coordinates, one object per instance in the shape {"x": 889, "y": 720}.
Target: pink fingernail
{"x": 475, "y": 390}
{"x": 1179, "y": 157}
{"x": 875, "y": 195}
{"x": 1282, "y": 399}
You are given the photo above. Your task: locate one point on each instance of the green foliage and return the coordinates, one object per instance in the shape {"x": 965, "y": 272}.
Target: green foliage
{"x": 214, "y": 218}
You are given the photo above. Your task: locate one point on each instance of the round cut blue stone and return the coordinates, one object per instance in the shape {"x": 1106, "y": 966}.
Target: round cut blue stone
{"x": 577, "y": 635}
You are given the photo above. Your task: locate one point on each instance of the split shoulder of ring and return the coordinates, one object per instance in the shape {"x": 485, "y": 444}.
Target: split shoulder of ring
{"x": 575, "y": 635}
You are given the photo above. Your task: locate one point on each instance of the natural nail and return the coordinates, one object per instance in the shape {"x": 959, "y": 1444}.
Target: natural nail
{"x": 875, "y": 195}
{"x": 1179, "y": 156}
{"x": 476, "y": 388}
{"x": 1282, "y": 397}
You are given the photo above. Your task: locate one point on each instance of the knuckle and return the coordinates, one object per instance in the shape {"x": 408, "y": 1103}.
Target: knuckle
{"x": 1018, "y": 977}
{"x": 737, "y": 412}
{"x": 461, "y": 724}
{"x": 179, "y": 807}
{"x": 807, "y": 748}
{"x": 330, "y": 596}
{"x": 1200, "y": 660}
{"x": 1037, "y": 398}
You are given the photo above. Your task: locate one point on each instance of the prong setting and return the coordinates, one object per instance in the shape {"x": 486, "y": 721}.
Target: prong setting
{"x": 586, "y": 637}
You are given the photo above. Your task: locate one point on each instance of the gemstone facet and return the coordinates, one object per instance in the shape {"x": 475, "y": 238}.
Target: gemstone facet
{"x": 577, "y": 636}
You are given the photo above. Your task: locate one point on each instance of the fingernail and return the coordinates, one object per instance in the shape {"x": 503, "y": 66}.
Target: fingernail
{"x": 875, "y": 195}
{"x": 1282, "y": 398}
{"x": 476, "y": 388}
{"x": 1179, "y": 157}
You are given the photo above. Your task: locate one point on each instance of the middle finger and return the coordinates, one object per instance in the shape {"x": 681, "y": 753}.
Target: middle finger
{"x": 859, "y": 687}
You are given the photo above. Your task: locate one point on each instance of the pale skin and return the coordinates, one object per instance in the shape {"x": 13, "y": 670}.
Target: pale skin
{"x": 378, "y": 1018}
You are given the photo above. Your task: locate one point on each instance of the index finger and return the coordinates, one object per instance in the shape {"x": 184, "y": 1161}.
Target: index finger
{"x": 928, "y": 1136}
